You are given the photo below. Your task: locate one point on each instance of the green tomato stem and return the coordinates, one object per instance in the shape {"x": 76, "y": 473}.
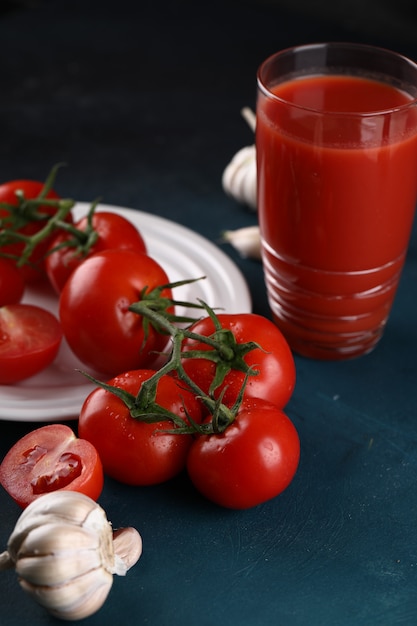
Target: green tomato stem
{"x": 222, "y": 415}
{"x": 144, "y": 407}
{"x": 27, "y": 211}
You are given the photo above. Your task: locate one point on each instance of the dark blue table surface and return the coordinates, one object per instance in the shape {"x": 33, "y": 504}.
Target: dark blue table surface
{"x": 142, "y": 100}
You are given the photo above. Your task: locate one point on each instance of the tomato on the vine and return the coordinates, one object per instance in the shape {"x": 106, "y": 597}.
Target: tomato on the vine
{"x": 12, "y": 285}
{"x": 51, "y": 458}
{"x": 110, "y": 230}
{"x": 30, "y": 338}
{"x": 272, "y": 363}
{"x": 133, "y": 451}
{"x": 35, "y": 269}
{"x": 96, "y": 319}
{"x": 252, "y": 461}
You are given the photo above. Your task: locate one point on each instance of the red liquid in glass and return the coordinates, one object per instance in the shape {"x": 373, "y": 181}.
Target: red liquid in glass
{"x": 336, "y": 199}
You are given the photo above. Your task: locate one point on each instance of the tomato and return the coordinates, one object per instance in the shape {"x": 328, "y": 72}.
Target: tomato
{"x": 94, "y": 311}
{"x": 252, "y": 461}
{"x": 132, "y": 451}
{"x": 113, "y": 230}
{"x": 273, "y": 360}
{"x": 30, "y": 338}
{"x": 12, "y": 285}
{"x": 48, "y": 459}
{"x": 31, "y": 189}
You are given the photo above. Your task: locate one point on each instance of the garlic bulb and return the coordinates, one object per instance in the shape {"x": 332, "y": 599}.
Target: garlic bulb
{"x": 239, "y": 177}
{"x": 65, "y": 553}
{"x": 246, "y": 240}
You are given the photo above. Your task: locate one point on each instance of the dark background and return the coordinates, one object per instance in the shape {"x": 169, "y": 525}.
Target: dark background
{"x": 152, "y": 89}
{"x": 142, "y": 101}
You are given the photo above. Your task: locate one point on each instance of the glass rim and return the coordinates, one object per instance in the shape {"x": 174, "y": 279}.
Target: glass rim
{"x": 262, "y": 84}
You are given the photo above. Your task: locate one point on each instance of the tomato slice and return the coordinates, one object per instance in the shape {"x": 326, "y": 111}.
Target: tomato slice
{"x": 48, "y": 459}
{"x": 30, "y": 338}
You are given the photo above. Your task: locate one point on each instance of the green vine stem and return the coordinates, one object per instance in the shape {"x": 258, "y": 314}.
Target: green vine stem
{"x": 80, "y": 240}
{"x": 143, "y": 406}
{"x": 28, "y": 210}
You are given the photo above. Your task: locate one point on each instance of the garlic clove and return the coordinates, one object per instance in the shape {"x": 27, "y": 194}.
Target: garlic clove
{"x": 48, "y": 570}
{"x": 239, "y": 177}
{"x": 127, "y": 545}
{"x": 248, "y": 185}
{"x": 47, "y": 556}
{"x": 51, "y": 538}
{"x": 5, "y": 561}
{"x": 247, "y": 241}
{"x": 77, "y": 598}
{"x": 68, "y": 506}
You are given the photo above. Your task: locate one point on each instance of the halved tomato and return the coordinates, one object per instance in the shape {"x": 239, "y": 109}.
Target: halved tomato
{"x": 51, "y": 458}
{"x": 29, "y": 341}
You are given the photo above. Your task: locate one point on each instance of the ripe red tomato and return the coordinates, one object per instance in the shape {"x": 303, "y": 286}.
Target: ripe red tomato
{"x": 132, "y": 451}
{"x": 31, "y": 189}
{"x": 274, "y": 362}
{"x": 12, "y": 285}
{"x": 252, "y": 461}
{"x": 113, "y": 230}
{"x": 95, "y": 316}
{"x": 48, "y": 459}
{"x": 30, "y": 338}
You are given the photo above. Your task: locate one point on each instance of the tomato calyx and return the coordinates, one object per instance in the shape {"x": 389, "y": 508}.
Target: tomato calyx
{"x": 226, "y": 353}
{"x": 80, "y": 240}
{"x": 144, "y": 407}
{"x": 158, "y": 311}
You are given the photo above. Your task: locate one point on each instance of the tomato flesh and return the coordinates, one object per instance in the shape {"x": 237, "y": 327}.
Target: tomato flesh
{"x": 30, "y": 338}
{"x": 48, "y": 459}
{"x": 68, "y": 467}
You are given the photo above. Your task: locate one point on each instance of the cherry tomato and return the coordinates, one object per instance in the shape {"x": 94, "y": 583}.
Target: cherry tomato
{"x": 48, "y": 459}
{"x": 31, "y": 189}
{"x": 113, "y": 230}
{"x": 275, "y": 380}
{"x": 132, "y": 451}
{"x": 30, "y": 338}
{"x": 94, "y": 311}
{"x": 12, "y": 285}
{"x": 252, "y": 461}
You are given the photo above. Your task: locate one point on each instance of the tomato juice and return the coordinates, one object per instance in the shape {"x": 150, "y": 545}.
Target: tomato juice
{"x": 337, "y": 188}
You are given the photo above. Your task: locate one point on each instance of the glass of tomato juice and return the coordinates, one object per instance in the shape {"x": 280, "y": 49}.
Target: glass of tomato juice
{"x": 336, "y": 144}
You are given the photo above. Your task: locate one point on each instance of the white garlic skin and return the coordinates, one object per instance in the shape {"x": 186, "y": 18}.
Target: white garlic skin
{"x": 246, "y": 241}
{"x": 63, "y": 551}
{"x": 73, "y": 600}
{"x": 239, "y": 177}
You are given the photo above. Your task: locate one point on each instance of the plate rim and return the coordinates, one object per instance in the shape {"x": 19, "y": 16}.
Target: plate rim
{"x": 60, "y": 411}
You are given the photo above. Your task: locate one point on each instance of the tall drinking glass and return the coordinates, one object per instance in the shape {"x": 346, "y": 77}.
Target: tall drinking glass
{"x": 336, "y": 142}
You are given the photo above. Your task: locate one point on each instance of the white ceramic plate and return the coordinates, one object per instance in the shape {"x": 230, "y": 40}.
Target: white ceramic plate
{"x": 58, "y": 392}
